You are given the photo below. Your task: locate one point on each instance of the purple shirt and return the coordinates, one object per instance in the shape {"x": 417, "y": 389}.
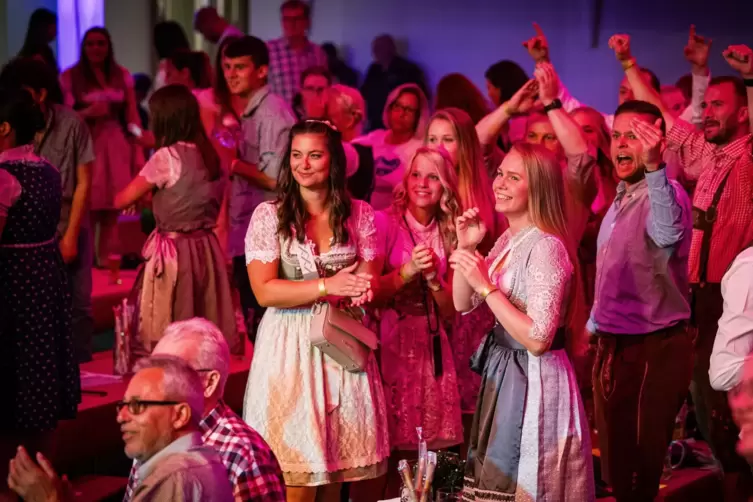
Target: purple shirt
{"x": 642, "y": 260}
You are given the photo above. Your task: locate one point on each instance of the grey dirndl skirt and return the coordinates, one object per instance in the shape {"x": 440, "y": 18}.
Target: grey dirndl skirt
{"x": 494, "y": 452}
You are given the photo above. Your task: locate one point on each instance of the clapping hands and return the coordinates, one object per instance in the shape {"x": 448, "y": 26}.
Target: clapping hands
{"x": 548, "y": 82}
{"x": 347, "y": 283}
{"x": 423, "y": 261}
{"x": 523, "y": 101}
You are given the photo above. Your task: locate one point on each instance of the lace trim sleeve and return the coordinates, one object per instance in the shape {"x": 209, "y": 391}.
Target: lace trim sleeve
{"x": 163, "y": 168}
{"x": 366, "y": 232}
{"x": 548, "y": 276}
{"x": 262, "y": 242}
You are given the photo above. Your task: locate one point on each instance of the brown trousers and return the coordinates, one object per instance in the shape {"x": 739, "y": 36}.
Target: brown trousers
{"x": 640, "y": 382}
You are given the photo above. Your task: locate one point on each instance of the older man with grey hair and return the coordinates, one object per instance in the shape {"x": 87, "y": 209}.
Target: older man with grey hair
{"x": 252, "y": 468}
{"x": 159, "y": 417}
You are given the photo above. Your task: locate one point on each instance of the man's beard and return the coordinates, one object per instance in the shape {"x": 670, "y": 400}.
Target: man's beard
{"x": 719, "y": 137}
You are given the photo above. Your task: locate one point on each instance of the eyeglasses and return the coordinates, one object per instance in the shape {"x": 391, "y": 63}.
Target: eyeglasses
{"x": 137, "y": 406}
{"x": 314, "y": 90}
{"x": 405, "y": 109}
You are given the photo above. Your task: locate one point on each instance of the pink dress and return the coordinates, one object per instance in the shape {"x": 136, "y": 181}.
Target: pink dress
{"x": 415, "y": 395}
{"x": 117, "y": 159}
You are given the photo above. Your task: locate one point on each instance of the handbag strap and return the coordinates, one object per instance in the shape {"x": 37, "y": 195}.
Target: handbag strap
{"x": 425, "y": 290}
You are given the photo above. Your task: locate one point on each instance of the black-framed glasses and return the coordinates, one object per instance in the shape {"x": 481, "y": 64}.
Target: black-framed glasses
{"x": 138, "y": 406}
{"x": 314, "y": 90}
{"x": 404, "y": 109}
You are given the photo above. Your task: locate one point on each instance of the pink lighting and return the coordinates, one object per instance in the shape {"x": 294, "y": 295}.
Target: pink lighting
{"x": 74, "y": 18}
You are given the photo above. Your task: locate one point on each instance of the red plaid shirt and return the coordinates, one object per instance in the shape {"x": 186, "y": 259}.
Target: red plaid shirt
{"x": 709, "y": 163}
{"x": 252, "y": 467}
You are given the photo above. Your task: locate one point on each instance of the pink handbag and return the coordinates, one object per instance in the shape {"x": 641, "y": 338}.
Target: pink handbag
{"x": 337, "y": 332}
{"x": 342, "y": 337}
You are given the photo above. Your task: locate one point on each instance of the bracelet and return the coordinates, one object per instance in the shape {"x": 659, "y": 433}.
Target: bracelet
{"x": 627, "y": 64}
{"x": 403, "y": 276}
{"x": 322, "y": 288}
{"x": 487, "y": 291}
{"x": 748, "y": 82}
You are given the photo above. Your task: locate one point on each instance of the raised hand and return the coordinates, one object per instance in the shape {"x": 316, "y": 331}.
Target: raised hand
{"x": 548, "y": 82}
{"x": 740, "y": 58}
{"x": 697, "y": 50}
{"x": 652, "y": 141}
{"x": 473, "y": 268}
{"x": 537, "y": 46}
{"x": 522, "y": 101}
{"x": 470, "y": 229}
{"x": 35, "y": 482}
{"x": 347, "y": 283}
{"x": 620, "y": 44}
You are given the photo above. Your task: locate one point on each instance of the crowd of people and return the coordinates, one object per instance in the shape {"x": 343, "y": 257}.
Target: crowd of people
{"x": 539, "y": 274}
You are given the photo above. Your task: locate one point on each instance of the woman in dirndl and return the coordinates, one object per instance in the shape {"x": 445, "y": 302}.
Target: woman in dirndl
{"x": 530, "y": 437}
{"x": 184, "y": 275}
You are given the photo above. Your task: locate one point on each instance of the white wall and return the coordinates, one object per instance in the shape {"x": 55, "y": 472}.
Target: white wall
{"x": 130, "y": 25}
{"x": 467, "y": 36}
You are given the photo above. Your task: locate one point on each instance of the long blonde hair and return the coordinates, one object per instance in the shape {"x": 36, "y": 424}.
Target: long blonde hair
{"x": 474, "y": 185}
{"x": 449, "y": 203}
{"x": 546, "y": 210}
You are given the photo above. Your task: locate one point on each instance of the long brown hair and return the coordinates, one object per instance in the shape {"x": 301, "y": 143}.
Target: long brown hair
{"x": 176, "y": 117}
{"x": 546, "y": 210}
{"x": 291, "y": 211}
{"x": 109, "y": 67}
{"x": 449, "y": 203}
{"x": 474, "y": 185}
{"x": 456, "y": 91}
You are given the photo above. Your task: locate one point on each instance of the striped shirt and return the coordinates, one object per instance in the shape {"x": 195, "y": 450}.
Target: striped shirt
{"x": 286, "y": 66}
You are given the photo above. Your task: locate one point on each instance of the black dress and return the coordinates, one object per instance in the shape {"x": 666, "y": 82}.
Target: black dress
{"x": 38, "y": 369}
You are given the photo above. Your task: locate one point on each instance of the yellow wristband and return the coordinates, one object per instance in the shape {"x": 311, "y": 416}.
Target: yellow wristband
{"x": 487, "y": 291}
{"x": 403, "y": 276}
{"x": 627, "y": 64}
{"x": 322, "y": 288}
